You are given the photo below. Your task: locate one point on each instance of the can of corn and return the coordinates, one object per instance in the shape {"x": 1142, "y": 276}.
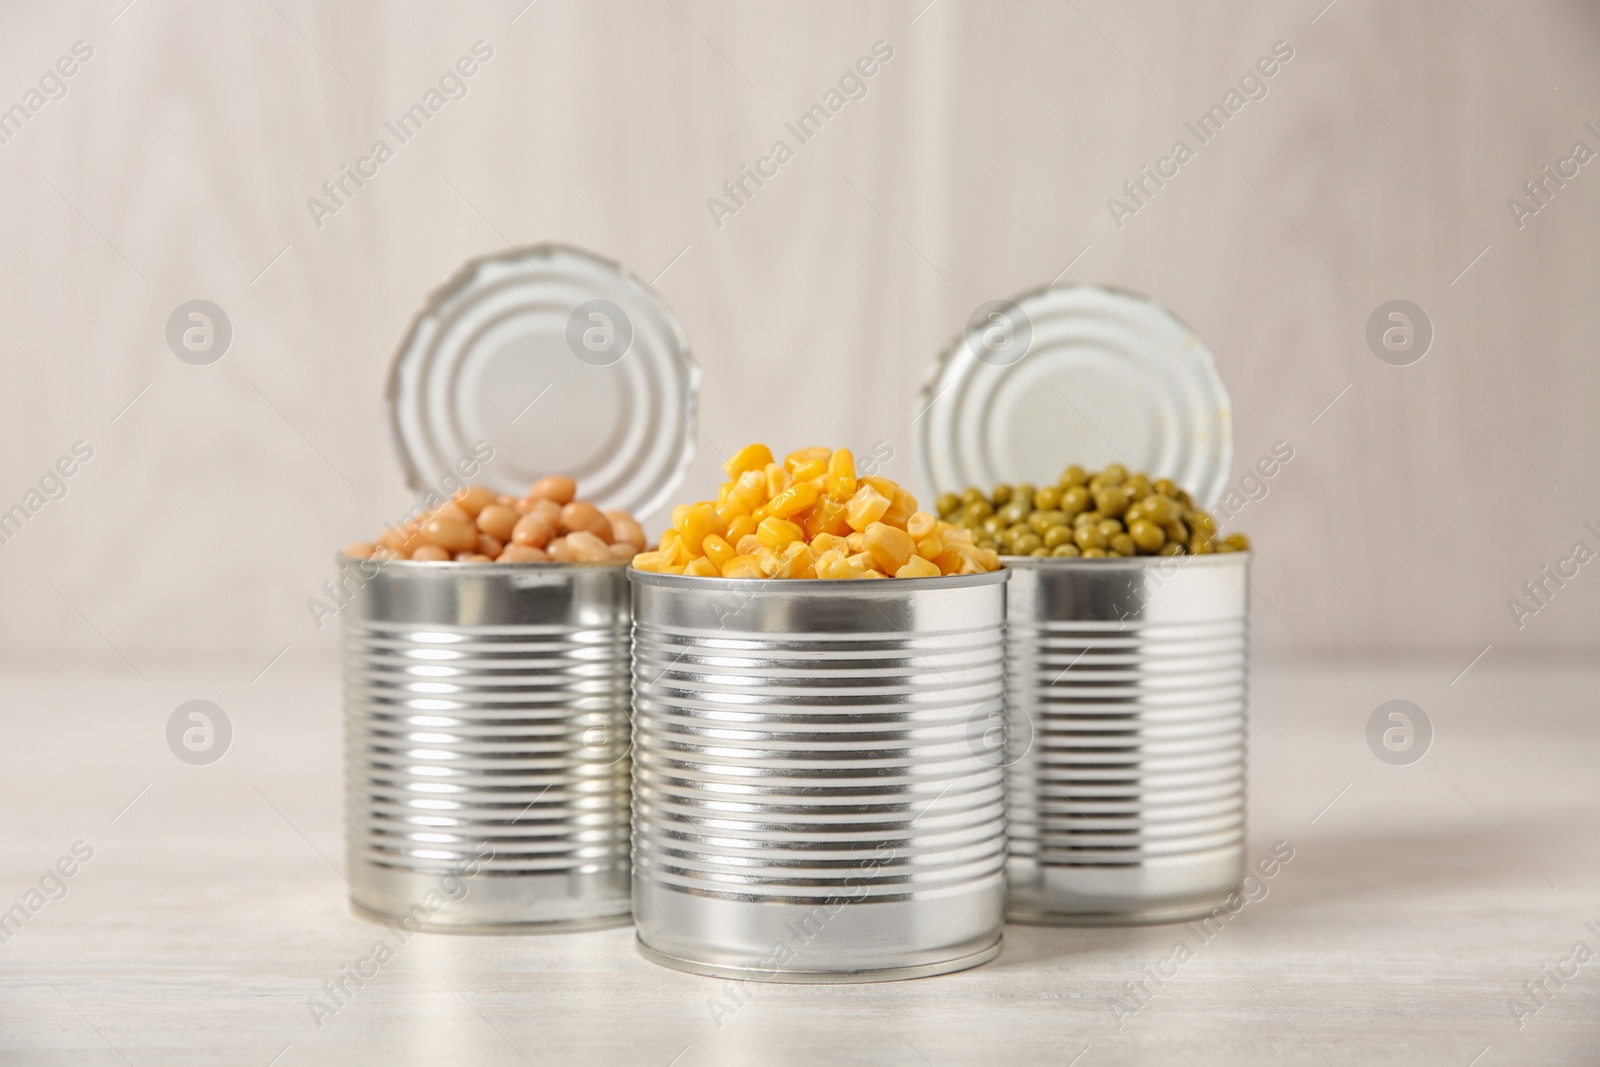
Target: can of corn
{"x": 486, "y": 738}
{"x": 486, "y": 704}
{"x": 1125, "y": 738}
{"x": 810, "y": 804}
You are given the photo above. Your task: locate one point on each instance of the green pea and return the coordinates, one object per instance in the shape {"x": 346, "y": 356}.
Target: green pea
{"x": 978, "y": 510}
{"x": 1124, "y": 545}
{"x": 1065, "y": 551}
{"x": 1000, "y": 494}
{"x": 1075, "y": 500}
{"x": 1171, "y": 548}
{"x": 1013, "y": 512}
{"x": 1147, "y": 535}
{"x": 947, "y": 503}
{"x": 1087, "y": 518}
{"x": 1047, "y": 498}
{"x": 1113, "y": 500}
{"x": 1095, "y": 553}
{"x": 1026, "y": 543}
{"x": 1087, "y": 537}
{"x": 1024, "y": 494}
{"x": 1040, "y": 552}
{"x": 1109, "y": 527}
{"x": 1073, "y": 476}
{"x": 992, "y": 525}
{"x": 1159, "y": 509}
{"x": 1057, "y": 536}
{"x": 971, "y": 495}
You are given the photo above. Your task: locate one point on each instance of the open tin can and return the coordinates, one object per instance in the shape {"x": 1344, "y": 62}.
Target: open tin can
{"x": 1125, "y": 736}
{"x": 487, "y": 704}
{"x": 1125, "y": 725}
{"x": 812, "y": 800}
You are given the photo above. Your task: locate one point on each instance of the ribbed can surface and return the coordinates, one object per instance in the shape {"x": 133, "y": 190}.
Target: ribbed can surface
{"x": 1125, "y": 736}
{"x": 486, "y": 743}
{"x": 812, "y": 799}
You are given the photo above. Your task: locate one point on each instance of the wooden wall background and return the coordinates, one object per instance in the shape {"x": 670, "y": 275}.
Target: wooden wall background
{"x": 979, "y": 164}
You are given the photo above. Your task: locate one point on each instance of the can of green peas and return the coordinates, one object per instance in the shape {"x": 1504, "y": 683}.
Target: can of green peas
{"x": 1127, "y": 674}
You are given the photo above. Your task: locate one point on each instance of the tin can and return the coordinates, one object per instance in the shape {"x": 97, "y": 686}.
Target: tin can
{"x": 486, "y": 744}
{"x": 1125, "y": 736}
{"x": 809, "y": 803}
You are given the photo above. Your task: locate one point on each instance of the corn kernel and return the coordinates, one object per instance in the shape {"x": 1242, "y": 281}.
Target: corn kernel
{"x": 742, "y": 566}
{"x": 702, "y": 568}
{"x": 902, "y": 505}
{"x": 827, "y": 517}
{"x": 778, "y": 480}
{"x": 890, "y": 546}
{"x": 917, "y": 567}
{"x": 920, "y": 525}
{"x": 811, "y": 468}
{"x": 650, "y": 561}
{"x": 834, "y": 565}
{"x": 856, "y": 541}
{"x": 748, "y": 545}
{"x": 775, "y": 532}
{"x": 729, "y": 510}
{"x": 805, "y": 455}
{"x": 793, "y": 500}
{"x": 750, "y": 490}
{"x": 769, "y": 560}
{"x": 866, "y": 507}
{"x": 842, "y": 473}
{"x": 744, "y": 524}
{"x": 862, "y": 561}
{"x": 749, "y": 458}
{"x": 701, "y": 520}
{"x": 930, "y": 546}
{"x": 717, "y": 550}
{"x": 826, "y": 542}
{"x": 797, "y": 561}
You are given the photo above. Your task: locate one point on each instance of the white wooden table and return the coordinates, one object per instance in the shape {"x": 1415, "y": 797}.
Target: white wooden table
{"x": 1417, "y": 904}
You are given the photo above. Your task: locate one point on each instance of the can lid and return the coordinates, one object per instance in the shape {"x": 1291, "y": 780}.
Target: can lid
{"x": 1077, "y": 374}
{"x": 560, "y": 360}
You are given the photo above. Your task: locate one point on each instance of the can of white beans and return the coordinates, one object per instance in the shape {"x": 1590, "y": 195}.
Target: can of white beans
{"x": 487, "y": 704}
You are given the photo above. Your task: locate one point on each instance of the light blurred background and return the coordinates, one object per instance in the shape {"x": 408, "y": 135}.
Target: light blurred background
{"x": 179, "y": 161}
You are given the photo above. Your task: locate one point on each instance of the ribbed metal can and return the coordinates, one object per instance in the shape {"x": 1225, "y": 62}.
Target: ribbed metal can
{"x": 812, "y": 801}
{"x": 486, "y": 744}
{"x": 1125, "y": 738}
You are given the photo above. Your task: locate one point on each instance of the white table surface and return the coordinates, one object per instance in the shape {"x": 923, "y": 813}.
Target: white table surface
{"x": 1415, "y": 906}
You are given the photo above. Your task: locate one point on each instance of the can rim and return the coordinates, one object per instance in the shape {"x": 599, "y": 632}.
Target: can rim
{"x": 1210, "y": 559}
{"x": 424, "y": 564}
{"x": 834, "y": 586}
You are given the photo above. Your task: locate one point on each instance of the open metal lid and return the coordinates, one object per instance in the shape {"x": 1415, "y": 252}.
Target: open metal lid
{"x": 1077, "y": 374}
{"x": 564, "y": 363}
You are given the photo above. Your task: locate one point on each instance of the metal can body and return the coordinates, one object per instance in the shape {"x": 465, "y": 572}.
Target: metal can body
{"x": 486, "y": 741}
{"x": 809, "y": 803}
{"x": 1126, "y": 736}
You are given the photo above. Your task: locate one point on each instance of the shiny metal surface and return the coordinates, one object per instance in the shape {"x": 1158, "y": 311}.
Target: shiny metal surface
{"x": 598, "y": 350}
{"x": 809, "y": 802}
{"x": 486, "y": 731}
{"x": 1125, "y": 736}
{"x": 1032, "y": 381}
